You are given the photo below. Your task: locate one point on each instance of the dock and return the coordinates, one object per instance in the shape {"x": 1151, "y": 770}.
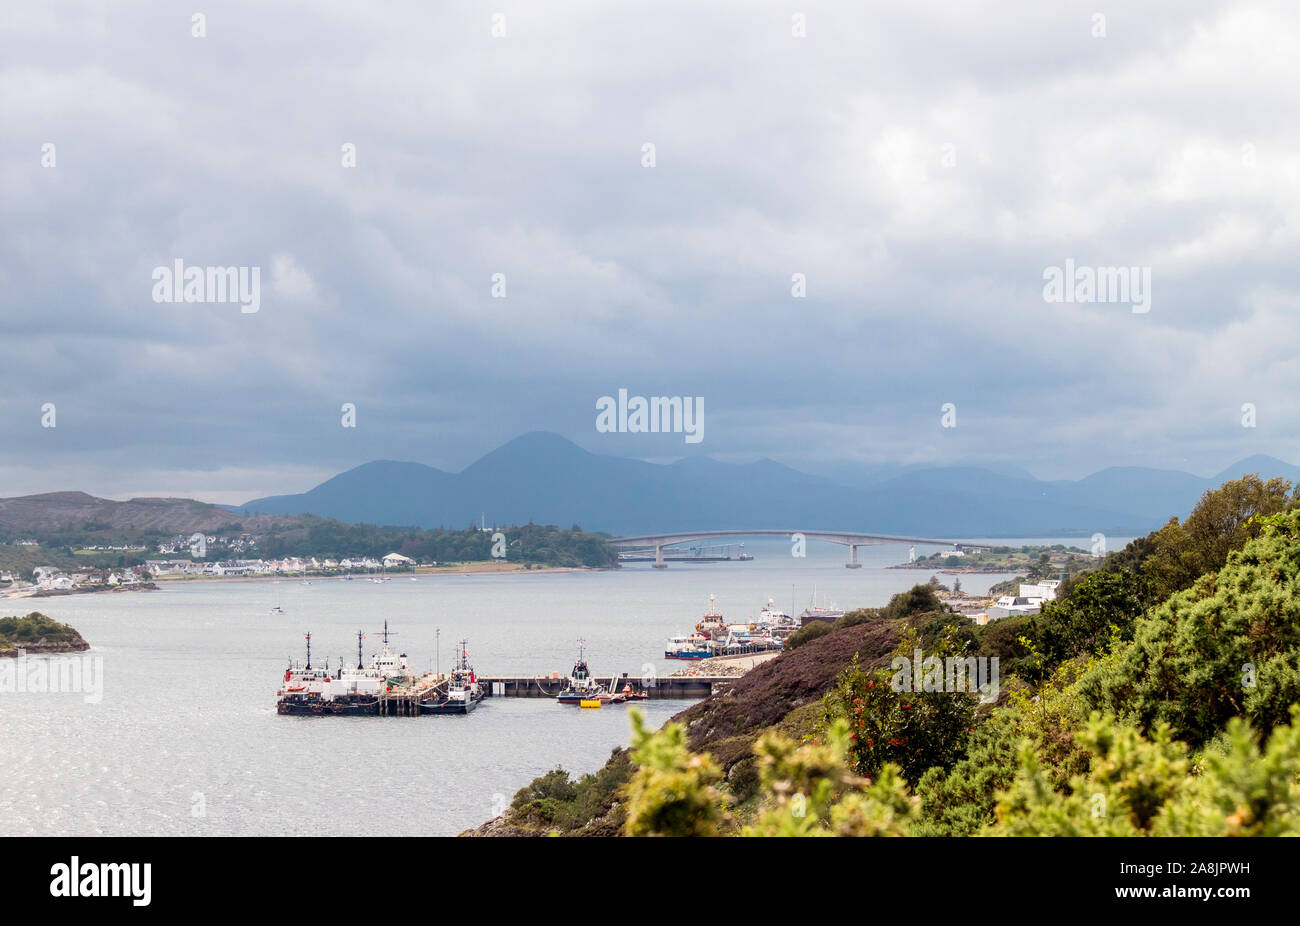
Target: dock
{"x": 548, "y": 686}
{"x": 404, "y": 701}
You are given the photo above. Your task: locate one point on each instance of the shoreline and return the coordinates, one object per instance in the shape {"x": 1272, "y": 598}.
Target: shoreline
{"x": 463, "y": 569}
{"x": 158, "y": 583}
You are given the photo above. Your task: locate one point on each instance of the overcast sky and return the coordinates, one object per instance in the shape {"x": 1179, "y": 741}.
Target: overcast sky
{"x": 922, "y": 164}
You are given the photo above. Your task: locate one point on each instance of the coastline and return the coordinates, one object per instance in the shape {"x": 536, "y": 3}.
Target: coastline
{"x": 156, "y": 584}
{"x": 462, "y": 569}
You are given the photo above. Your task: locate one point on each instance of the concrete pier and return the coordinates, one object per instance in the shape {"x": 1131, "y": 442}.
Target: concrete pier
{"x": 548, "y": 686}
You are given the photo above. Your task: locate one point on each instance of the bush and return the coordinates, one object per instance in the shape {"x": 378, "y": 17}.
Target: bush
{"x": 806, "y": 633}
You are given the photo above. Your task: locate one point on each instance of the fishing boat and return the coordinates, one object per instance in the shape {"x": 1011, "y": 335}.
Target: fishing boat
{"x": 463, "y": 692}
{"x": 580, "y": 686}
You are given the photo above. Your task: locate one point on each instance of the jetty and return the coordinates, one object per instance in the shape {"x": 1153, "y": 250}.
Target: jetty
{"x": 548, "y": 686}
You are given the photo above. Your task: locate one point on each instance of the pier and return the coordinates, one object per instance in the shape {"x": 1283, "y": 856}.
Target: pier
{"x": 548, "y": 686}
{"x": 404, "y": 700}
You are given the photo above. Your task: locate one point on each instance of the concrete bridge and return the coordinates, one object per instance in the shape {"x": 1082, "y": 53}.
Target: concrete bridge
{"x": 849, "y": 539}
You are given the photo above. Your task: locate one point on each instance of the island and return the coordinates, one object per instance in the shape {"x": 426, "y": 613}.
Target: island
{"x": 37, "y": 633}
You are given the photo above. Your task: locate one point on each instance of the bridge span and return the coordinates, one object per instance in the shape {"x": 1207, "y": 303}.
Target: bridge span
{"x": 850, "y": 539}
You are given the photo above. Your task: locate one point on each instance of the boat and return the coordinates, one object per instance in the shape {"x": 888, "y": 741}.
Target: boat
{"x": 580, "y": 686}
{"x": 463, "y": 692}
{"x": 309, "y": 690}
{"x": 744, "y": 557}
{"x": 823, "y": 612}
{"x": 712, "y": 623}
{"x": 627, "y": 694}
{"x": 771, "y": 616}
{"x": 688, "y": 646}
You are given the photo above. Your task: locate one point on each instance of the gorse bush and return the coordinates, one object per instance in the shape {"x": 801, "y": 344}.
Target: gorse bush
{"x": 1228, "y": 646}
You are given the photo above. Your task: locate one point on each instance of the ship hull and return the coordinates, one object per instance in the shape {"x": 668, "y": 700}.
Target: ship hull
{"x": 295, "y": 707}
{"x": 575, "y": 697}
{"x": 449, "y": 707}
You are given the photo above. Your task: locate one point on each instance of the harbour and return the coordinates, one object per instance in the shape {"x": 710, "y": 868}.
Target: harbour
{"x": 222, "y": 761}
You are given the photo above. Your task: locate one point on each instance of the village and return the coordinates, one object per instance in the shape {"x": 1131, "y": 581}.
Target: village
{"x": 51, "y": 579}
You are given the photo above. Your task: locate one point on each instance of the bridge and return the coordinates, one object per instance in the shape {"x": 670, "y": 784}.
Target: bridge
{"x": 849, "y": 539}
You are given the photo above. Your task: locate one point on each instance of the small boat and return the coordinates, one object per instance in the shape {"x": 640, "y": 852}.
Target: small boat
{"x": 627, "y": 694}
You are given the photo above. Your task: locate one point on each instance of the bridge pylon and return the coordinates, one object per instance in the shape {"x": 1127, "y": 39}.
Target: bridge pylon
{"x": 659, "y": 557}
{"x": 853, "y": 557}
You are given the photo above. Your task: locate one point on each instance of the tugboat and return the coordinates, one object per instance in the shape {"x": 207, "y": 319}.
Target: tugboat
{"x": 463, "y": 690}
{"x": 580, "y": 686}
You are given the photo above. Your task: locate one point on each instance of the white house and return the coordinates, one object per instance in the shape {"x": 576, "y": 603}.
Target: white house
{"x": 1008, "y": 605}
{"x": 397, "y": 559}
{"x": 1045, "y": 589}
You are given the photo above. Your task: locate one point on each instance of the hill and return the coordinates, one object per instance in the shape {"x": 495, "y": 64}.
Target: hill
{"x": 545, "y": 478}
{"x": 59, "y": 512}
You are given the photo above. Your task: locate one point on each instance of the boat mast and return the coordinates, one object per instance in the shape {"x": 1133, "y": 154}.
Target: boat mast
{"x": 309, "y": 650}
{"x": 360, "y": 636}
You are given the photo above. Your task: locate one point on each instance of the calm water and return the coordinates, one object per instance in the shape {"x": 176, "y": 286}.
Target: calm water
{"x": 186, "y": 739}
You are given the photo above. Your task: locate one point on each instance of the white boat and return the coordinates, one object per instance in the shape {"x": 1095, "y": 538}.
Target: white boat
{"x": 826, "y": 611}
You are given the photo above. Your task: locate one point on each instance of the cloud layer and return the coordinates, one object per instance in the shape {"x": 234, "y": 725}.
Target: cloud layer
{"x": 920, "y": 164}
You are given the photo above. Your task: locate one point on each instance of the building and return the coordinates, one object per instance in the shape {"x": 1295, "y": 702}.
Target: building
{"x": 1045, "y": 589}
{"x": 397, "y": 560}
{"x": 1009, "y": 605}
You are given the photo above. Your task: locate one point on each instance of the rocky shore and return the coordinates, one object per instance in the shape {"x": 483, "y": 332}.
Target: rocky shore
{"x": 36, "y": 635}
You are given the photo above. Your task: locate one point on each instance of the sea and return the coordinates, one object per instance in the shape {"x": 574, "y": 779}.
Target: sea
{"x": 182, "y": 737}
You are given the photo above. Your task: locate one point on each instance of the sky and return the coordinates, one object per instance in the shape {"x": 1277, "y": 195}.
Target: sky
{"x": 922, "y": 166}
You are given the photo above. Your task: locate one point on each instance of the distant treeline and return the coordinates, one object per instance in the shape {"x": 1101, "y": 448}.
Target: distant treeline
{"x": 544, "y": 544}
{"x": 323, "y": 538}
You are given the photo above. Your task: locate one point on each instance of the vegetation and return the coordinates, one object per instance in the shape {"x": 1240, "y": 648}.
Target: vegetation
{"x": 36, "y": 631}
{"x": 308, "y": 536}
{"x": 1160, "y": 695}
{"x": 531, "y": 543}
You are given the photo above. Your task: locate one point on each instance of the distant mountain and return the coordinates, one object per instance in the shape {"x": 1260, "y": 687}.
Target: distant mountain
{"x": 545, "y": 478}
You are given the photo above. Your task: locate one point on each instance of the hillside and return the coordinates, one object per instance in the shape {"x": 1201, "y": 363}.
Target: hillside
{"x": 58, "y": 512}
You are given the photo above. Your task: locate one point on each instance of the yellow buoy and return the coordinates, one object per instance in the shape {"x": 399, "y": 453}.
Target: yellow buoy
{"x": 589, "y": 704}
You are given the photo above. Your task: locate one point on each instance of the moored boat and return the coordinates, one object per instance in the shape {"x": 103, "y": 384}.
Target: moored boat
{"x": 692, "y": 646}
{"x": 580, "y": 686}
{"x": 463, "y": 691}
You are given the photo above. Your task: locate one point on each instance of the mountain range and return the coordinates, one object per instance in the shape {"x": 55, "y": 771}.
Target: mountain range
{"x": 545, "y": 478}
